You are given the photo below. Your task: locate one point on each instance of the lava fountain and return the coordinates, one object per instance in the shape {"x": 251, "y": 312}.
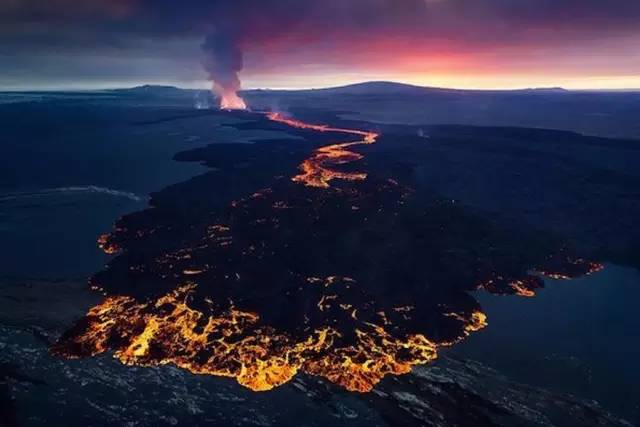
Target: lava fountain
{"x": 230, "y": 100}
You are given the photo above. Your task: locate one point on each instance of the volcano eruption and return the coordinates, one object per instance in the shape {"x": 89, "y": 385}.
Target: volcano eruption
{"x": 223, "y": 62}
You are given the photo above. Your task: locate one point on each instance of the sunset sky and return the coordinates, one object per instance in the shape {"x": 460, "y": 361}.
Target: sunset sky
{"x": 590, "y": 44}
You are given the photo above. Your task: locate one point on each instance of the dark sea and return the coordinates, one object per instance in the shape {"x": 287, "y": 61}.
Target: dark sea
{"x": 577, "y": 336}
{"x": 70, "y": 165}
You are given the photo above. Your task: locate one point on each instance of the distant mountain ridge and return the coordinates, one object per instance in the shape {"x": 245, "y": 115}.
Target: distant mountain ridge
{"x": 153, "y": 90}
{"x": 364, "y": 88}
{"x": 390, "y": 87}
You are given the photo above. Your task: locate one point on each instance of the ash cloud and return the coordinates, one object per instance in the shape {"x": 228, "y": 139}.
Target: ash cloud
{"x": 223, "y": 61}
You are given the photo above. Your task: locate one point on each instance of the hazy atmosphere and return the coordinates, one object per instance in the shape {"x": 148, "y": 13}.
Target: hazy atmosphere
{"x": 307, "y": 43}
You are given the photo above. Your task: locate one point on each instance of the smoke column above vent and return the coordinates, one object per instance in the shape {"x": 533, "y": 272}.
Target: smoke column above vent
{"x": 223, "y": 62}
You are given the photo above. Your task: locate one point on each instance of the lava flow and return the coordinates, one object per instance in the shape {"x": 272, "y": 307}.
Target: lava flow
{"x": 235, "y": 344}
{"x": 349, "y": 285}
{"x": 316, "y": 170}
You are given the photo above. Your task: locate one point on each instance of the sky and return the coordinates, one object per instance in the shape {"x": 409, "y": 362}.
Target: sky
{"x": 71, "y": 44}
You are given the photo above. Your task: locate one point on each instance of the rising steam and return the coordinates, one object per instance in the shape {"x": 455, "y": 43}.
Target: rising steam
{"x": 223, "y": 62}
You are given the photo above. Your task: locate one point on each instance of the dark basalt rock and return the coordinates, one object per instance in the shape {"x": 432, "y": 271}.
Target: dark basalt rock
{"x": 388, "y": 254}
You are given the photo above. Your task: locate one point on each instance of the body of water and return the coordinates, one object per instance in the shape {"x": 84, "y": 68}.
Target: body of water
{"x": 68, "y": 170}
{"x": 577, "y": 336}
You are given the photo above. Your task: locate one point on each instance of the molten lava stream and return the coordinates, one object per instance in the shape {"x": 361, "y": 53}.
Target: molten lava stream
{"x": 316, "y": 170}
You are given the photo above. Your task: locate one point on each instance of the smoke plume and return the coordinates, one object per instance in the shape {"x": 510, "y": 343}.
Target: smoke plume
{"x": 223, "y": 62}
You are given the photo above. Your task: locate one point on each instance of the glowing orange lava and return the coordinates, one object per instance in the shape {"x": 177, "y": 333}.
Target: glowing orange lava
{"x": 316, "y": 170}
{"x": 108, "y": 247}
{"x": 235, "y": 344}
{"x": 232, "y": 101}
{"x": 589, "y": 267}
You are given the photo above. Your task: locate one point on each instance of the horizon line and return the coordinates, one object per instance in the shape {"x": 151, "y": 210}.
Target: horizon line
{"x": 132, "y": 85}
